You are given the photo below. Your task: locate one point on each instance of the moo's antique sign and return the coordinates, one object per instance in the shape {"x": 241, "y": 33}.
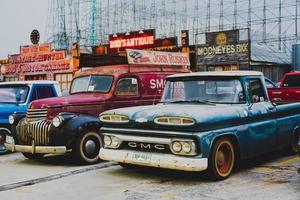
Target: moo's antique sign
{"x": 132, "y": 39}
{"x": 157, "y": 58}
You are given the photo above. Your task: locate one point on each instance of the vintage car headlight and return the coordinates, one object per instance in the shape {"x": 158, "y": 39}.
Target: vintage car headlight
{"x": 107, "y": 140}
{"x": 174, "y": 121}
{"x": 183, "y": 147}
{"x": 114, "y": 118}
{"x": 112, "y": 141}
{"x": 176, "y": 146}
{"x": 11, "y": 119}
{"x": 57, "y": 121}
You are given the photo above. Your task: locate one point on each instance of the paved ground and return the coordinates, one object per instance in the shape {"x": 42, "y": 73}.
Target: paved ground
{"x": 269, "y": 177}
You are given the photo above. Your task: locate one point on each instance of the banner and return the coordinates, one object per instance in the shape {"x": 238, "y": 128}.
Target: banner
{"x": 157, "y": 58}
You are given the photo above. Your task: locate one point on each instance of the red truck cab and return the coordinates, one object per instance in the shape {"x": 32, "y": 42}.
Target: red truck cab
{"x": 289, "y": 90}
{"x": 71, "y": 124}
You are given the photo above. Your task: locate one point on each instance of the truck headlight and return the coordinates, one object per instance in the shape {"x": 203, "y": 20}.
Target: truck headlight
{"x": 57, "y": 121}
{"x": 11, "y": 119}
{"x": 183, "y": 147}
{"x": 114, "y": 118}
{"x": 111, "y": 141}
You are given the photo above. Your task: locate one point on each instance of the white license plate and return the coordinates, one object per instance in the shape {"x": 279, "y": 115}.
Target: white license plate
{"x": 141, "y": 157}
{"x": 9, "y": 140}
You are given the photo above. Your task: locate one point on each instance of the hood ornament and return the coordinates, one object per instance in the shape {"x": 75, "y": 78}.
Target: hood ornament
{"x": 141, "y": 120}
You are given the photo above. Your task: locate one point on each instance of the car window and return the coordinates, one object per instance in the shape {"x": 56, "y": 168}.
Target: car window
{"x": 256, "y": 91}
{"x": 127, "y": 86}
{"x": 41, "y": 92}
{"x": 292, "y": 81}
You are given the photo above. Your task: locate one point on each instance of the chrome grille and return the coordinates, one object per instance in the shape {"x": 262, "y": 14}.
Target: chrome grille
{"x": 36, "y": 114}
{"x": 33, "y": 131}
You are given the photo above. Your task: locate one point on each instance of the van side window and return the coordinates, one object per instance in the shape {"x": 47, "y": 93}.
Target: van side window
{"x": 256, "y": 91}
{"x": 40, "y": 92}
{"x": 127, "y": 87}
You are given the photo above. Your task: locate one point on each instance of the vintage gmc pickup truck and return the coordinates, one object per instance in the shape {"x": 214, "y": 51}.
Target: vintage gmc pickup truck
{"x": 205, "y": 120}
{"x": 71, "y": 123}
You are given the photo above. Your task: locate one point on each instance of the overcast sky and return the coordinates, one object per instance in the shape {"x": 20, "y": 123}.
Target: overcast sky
{"x": 17, "y": 19}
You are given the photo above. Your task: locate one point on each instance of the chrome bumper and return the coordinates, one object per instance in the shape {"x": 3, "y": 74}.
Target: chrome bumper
{"x": 36, "y": 149}
{"x": 155, "y": 160}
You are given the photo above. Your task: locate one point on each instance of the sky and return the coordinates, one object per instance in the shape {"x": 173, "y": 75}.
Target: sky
{"x": 17, "y": 19}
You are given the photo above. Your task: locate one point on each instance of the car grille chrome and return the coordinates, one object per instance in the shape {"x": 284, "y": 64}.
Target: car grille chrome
{"x": 37, "y": 131}
{"x": 36, "y": 114}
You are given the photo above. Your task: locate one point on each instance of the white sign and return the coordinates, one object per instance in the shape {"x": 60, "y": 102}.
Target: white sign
{"x": 157, "y": 58}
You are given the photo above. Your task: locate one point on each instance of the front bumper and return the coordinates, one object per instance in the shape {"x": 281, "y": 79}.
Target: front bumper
{"x": 155, "y": 160}
{"x": 36, "y": 149}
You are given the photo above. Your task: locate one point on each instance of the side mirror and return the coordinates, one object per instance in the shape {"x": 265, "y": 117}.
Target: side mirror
{"x": 18, "y": 96}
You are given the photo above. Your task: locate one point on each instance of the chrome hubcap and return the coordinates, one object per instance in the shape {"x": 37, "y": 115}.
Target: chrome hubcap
{"x": 90, "y": 146}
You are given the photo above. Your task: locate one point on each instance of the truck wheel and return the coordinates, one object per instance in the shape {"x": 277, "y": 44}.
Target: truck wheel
{"x": 293, "y": 147}
{"x": 35, "y": 156}
{"x": 222, "y": 159}
{"x": 87, "y": 147}
{"x": 2, "y": 140}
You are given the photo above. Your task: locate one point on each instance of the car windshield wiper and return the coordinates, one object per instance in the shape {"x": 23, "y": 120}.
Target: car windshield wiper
{"x": 190, "y": 101}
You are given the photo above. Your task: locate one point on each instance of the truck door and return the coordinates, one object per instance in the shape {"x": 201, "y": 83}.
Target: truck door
{"x": 262, "y": 126}
{"x": 127, "y": 92}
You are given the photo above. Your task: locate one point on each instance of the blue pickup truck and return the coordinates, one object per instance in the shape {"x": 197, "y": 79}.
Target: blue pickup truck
{"x": 204, "y": 121}
{"x": 16, "y": 97}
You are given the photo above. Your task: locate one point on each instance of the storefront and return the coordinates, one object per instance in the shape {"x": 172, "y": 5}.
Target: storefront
{"x": 226, "y": 51}
{"x": 39, "y": 62}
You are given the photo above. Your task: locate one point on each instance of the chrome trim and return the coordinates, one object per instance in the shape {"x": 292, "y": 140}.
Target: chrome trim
{"x": 36, "y": 149}
{"x": 144, "y": 131}
{"x": 159, "y": 160}
{"x": 129, "y": 138}
{"x": 36, "y": 114}
{"x": 168, "y": 123}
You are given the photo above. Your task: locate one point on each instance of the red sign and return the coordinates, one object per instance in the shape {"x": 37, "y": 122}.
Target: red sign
{"x": 157, "y": 58}
{"x": 131, "y": 42}
{"x": 29, "y": 49}
{"x": 133, "y": 39}
{"x": 26, "y": 58}
{"x": 37, "y": 67}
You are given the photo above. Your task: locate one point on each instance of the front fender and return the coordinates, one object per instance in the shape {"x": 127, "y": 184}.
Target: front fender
{"x": 73, "y": 125}
{"x": 209, "y": 138}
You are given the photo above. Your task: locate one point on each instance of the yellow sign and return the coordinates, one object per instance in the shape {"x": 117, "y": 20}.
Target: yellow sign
{"x": 221, "y": 39}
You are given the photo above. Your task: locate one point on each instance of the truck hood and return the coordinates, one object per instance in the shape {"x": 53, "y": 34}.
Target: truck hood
{"x": 7, "y": 109}
{"x": 74, "y": 99}
{"x": 206, "y": 116}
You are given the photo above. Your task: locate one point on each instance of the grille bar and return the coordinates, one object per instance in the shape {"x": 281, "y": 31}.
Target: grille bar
{"x": 36, "y": 114}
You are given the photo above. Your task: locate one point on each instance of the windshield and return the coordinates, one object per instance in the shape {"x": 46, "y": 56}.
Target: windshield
{"x": 10, "y": 93}
{"x": 204, "y": 90}
{"x": 91, "y": 84}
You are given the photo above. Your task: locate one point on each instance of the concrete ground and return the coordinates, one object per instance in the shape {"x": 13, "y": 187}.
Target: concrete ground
{"x": 269, "y": 177}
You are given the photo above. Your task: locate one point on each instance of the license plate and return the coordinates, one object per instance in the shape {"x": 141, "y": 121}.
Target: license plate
{"x": 141, "y": 157}
{"x": 9, "y": 140}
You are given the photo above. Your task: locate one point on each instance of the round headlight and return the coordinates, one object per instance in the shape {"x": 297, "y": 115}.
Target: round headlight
{"x": 57, "y": 121}
{"x": 176, "y": 146}
{"x": 107, "y": 140}
{"x": 11, "y": 119}
{"x": 115, "y": 142}
{"x": 186, "y": 147}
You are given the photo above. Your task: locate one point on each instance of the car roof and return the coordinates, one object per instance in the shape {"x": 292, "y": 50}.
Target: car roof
{"x": 218, "y": 73}
{"x": 28, "y": 82}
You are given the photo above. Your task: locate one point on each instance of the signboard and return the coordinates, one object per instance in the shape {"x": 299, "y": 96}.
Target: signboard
{"x": 134, "y": 39}
{"x": 157, "y": 58}
{"x": 35, "y": 36}
{"x": 222, "y": 47}
{"x": 184, "y": 38}
{"x": 30, "y": 49}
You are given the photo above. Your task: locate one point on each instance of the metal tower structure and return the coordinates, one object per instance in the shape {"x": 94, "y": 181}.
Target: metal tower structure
{"x": 89, "y": 22}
